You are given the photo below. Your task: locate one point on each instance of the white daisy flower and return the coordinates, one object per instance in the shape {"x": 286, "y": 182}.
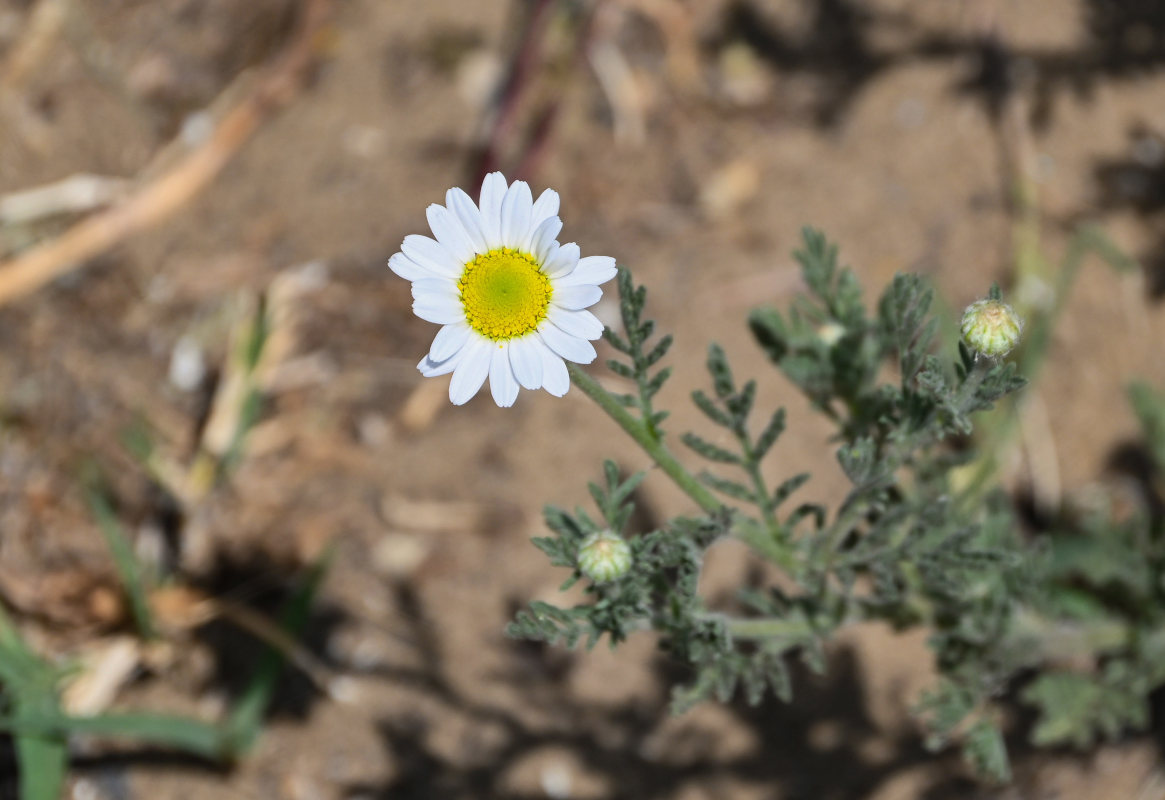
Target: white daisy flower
{"x": 510, "y": 298}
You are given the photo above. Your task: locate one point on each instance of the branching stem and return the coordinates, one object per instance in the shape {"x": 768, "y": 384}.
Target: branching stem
{"x": 651, "y": 444}
{"x": 763, "y": 497}
{"x": 744, "y": 529}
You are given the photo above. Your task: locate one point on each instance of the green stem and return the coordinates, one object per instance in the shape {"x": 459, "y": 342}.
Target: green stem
{"x": 853, "y": 510}
{"x": 972, "y": 492}
{"x": 652, "y": 445}
{"x": 759, "y": 539}
{"x": 1037, "y": 338}
{"x": 124, "y": 560}
{"x": 1044, "y": 640}
{"x": 855, "y": 504}
{"x": 979, "y": 369}
{"x": 794, "y": 630}
{"x": 1052, "y": 640}
{"x": 764, "y": 499}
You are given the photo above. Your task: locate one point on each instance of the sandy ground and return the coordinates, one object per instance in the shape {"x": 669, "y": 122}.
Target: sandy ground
{"x": 692, "y": 141}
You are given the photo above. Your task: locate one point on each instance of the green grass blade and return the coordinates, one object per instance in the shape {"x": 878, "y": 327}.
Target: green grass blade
{"x": 18, "y": 664}
{"x": 126, "y": 564}
{"x": 181, "y": 733}
{"x": 247, "y": 717}
{"x": 43, "y": 761}
{"x": 30, "y": 684}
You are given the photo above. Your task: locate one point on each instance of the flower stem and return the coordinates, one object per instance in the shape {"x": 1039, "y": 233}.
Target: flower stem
{"x": 760, "y": 539}
{"x": 651, "y": 445}
{"x": 794, "y": 630}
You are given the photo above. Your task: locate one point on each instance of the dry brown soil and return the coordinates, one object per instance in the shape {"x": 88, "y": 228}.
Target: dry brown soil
{"x": 718, "y": 130}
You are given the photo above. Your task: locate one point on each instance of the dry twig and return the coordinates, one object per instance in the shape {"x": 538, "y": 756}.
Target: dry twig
{"x": 73, "y": 195}
{"x": 44, "y": 23}
{"x": 161, "y": 197}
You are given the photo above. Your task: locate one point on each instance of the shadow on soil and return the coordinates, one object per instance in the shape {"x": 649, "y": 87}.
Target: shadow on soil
{"x": 817, "y": 747}
{"x": 839, "y": 44}
{"x": 1136, "y": 181}
{"x": 256, "y": 584}
{"x": 835, "y": 46}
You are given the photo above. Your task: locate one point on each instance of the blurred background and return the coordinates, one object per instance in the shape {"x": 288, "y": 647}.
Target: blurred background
{"x": 203, "y": 349}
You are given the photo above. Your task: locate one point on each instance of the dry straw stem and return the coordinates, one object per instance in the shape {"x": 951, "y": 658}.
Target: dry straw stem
{"x": 180, "y": 608}
{"x": 161, "y": 197}
{"x": 45, "y": 22}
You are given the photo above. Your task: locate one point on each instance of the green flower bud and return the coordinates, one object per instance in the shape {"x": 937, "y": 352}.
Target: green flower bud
{"x": 991, "y": 327}
{"x": 604, "y": 556}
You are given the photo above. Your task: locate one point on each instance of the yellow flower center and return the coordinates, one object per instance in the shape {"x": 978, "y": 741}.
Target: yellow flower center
{"x": 505, "y": 294}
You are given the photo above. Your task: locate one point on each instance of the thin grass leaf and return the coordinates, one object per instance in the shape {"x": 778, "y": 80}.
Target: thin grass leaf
{"x": 165, "y": 730}
{"x": 247, "y": 717}
{"x": 43, "y": 762}
{"x": 256, "y": 340}
{"x": 1104, "y": 247}
{"x": 249, "y": 414}
{"x": 19, "y": 665}
{"x": 128, "y": 569}
{"x": 31, "y": 684}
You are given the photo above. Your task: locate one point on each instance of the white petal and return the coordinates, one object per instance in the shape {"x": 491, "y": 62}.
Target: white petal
{"x": 431, "y": 369}
{"x": 576, "y": 297}
{"x": 526, "y": 360}
{"x": 592, "y": 269}
{"x": 542, "y": 242}
{"x": 407, "y": 268}
{"x": 561, "y": 261}
{"x": 502, "y": 383}
{"x": 493, "y": 191}
{"x": 438, "y": 309}
{"x": 555, "y": 378}
{"x": 431, "y": 255}
{"x": 450, "y": 233}
{"x": 516, "y": 208}
{"x": 436, "y": 288}
{"x": 463, "y": 206}
{"x": 545, "y": 206}
{"x": 470, "y": 372}
{"x": 582, "y": 324}
{"x": 449, "y": 341}
{"x": 569, "y": 347}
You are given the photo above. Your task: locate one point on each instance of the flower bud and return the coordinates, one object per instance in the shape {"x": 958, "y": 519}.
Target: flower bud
{"x": 831, "y": 333}
{"x": 604, "y": 556}
{"x": 991, "y": 327}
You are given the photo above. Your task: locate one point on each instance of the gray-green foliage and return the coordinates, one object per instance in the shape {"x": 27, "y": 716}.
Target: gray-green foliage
{"x": 909, "y": 543}
{"x": 1104, "y": 581}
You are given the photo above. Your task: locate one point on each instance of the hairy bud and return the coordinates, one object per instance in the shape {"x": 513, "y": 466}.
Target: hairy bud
{"x": 604, "y": 556}
{"x": 991, "y": 327}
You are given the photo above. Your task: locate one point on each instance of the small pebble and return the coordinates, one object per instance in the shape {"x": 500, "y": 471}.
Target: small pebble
{"x": 187, "y": 365}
